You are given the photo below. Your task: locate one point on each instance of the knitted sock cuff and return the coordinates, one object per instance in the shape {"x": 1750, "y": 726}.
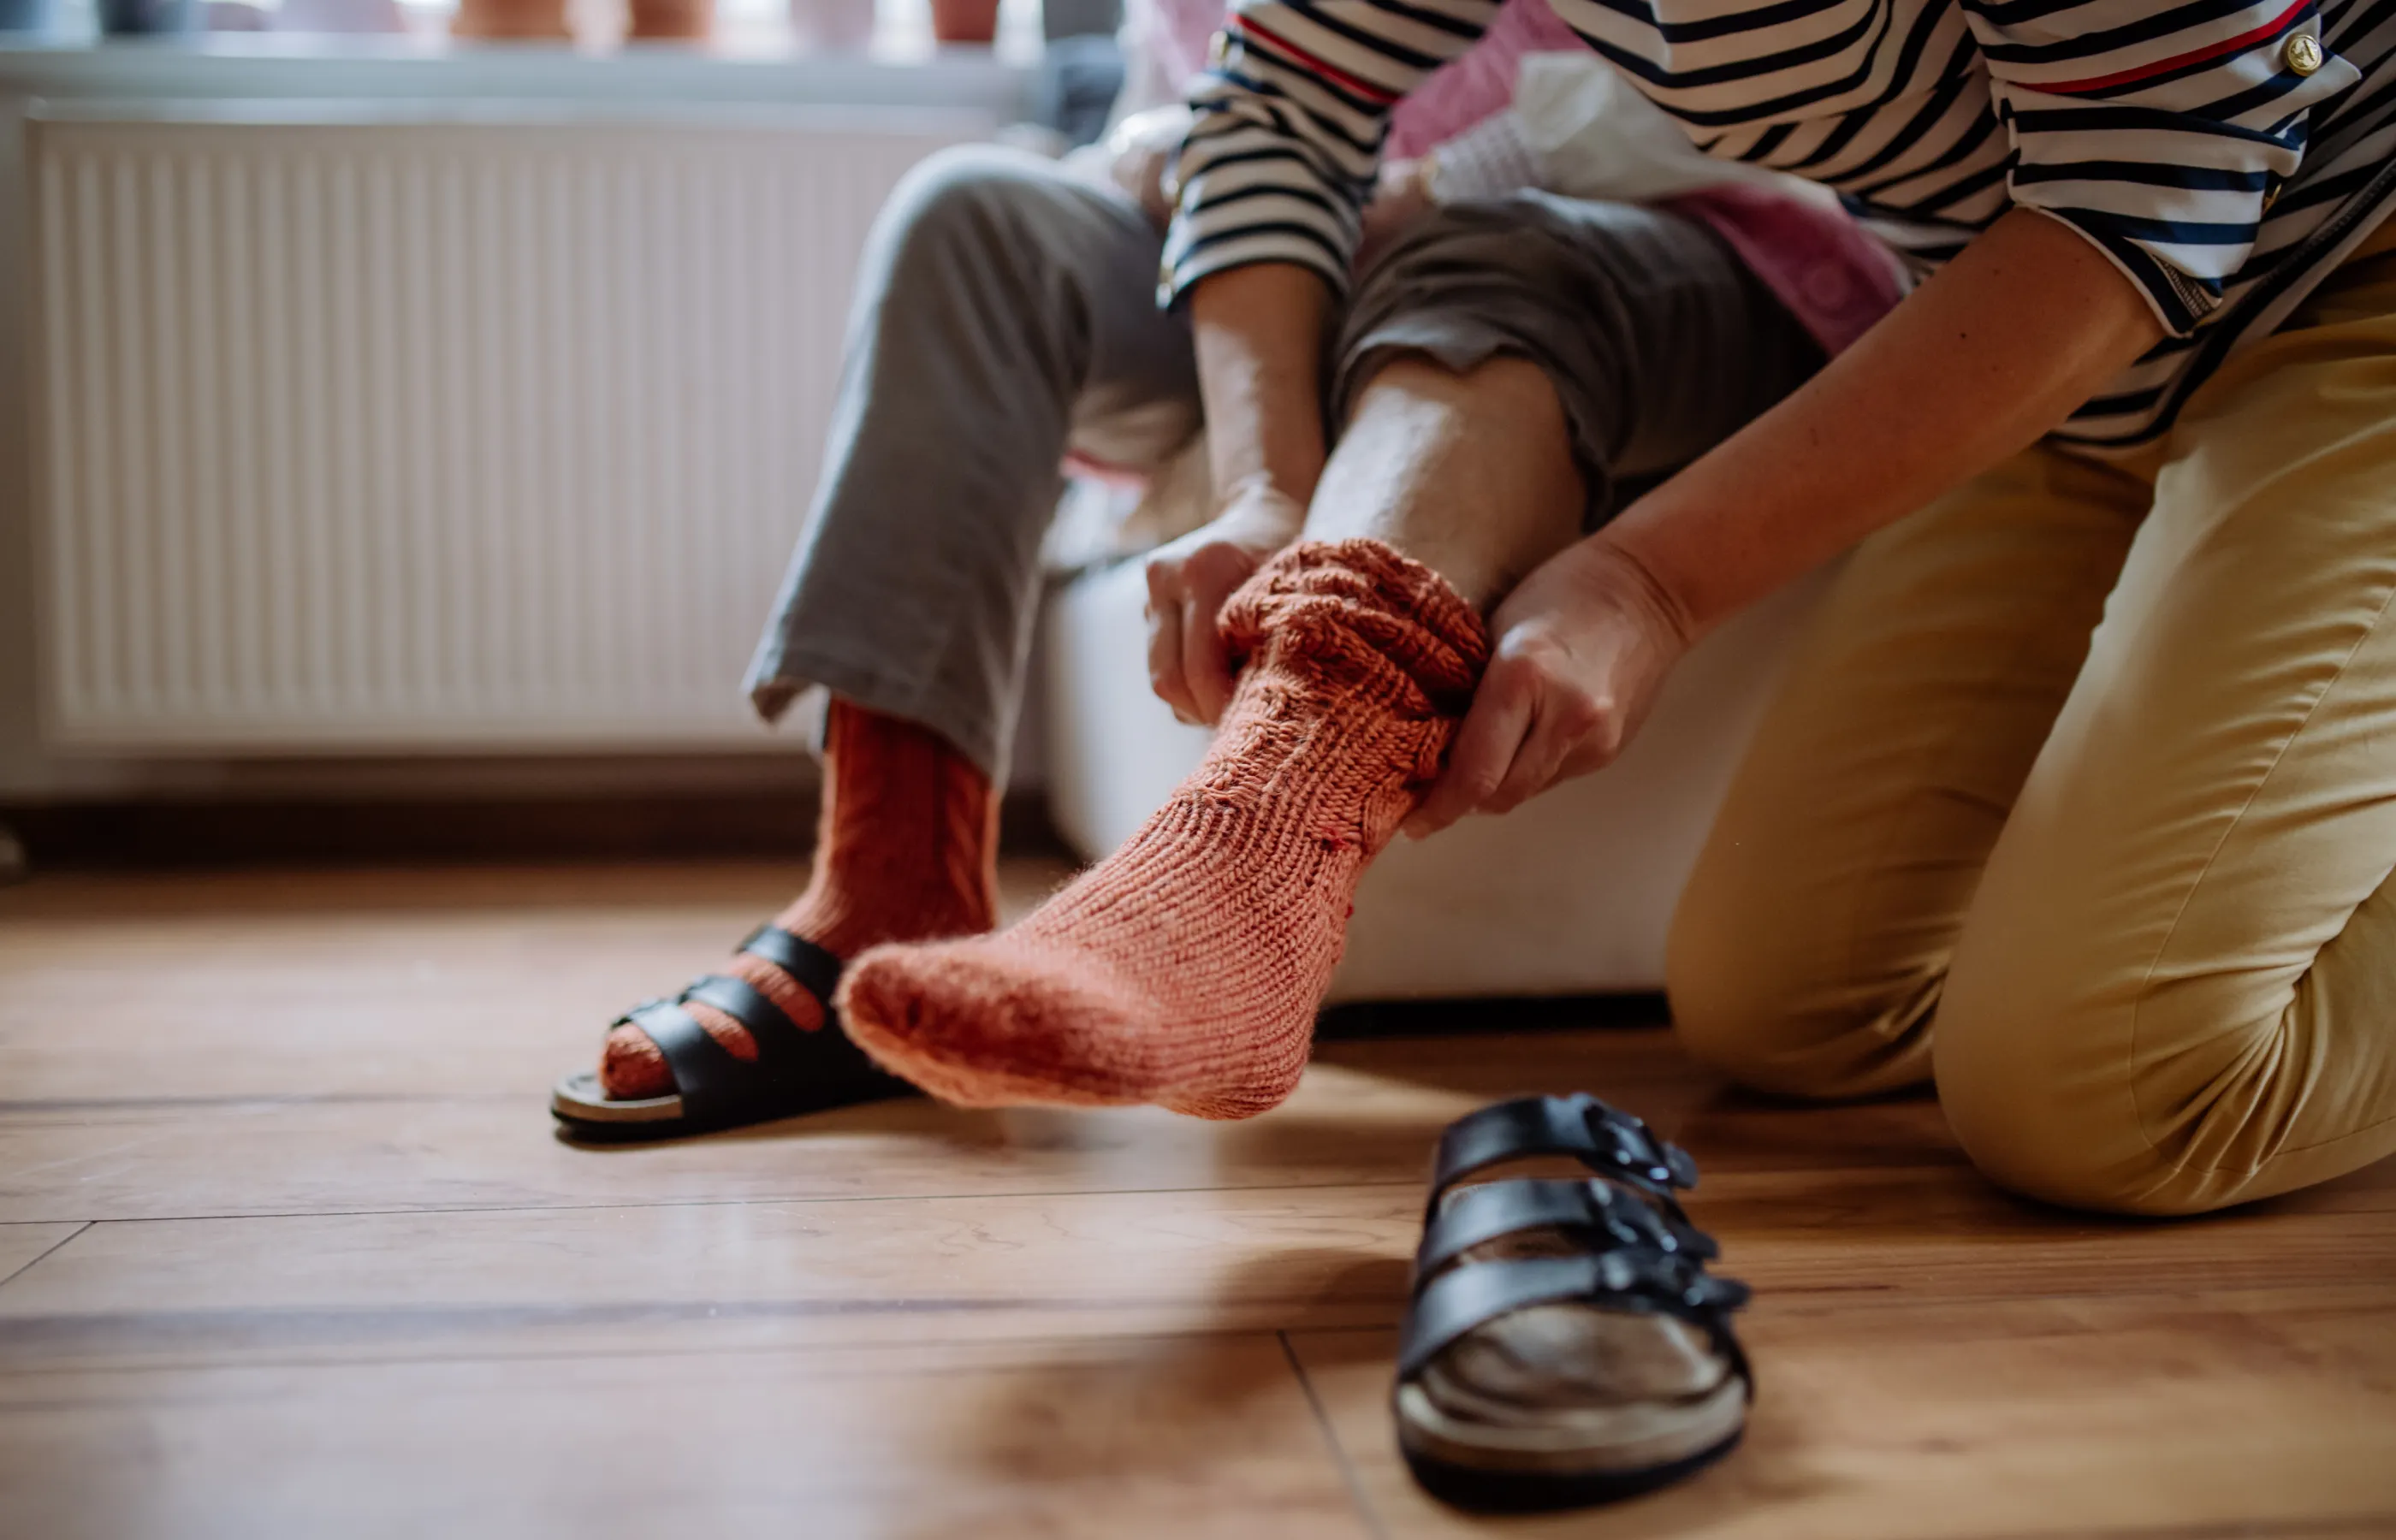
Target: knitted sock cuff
{"x": 1347, "y": 612}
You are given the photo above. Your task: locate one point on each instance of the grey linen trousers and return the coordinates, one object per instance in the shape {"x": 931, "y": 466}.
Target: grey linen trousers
{"x": 1005, "y": 314}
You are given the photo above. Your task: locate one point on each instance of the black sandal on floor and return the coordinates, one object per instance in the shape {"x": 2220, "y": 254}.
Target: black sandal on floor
{"x": 795, "y": 1071}
{"x": 1564, "y": 1345}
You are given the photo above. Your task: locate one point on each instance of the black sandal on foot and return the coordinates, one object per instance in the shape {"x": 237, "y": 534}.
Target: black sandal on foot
{"x": 1564, "y": 1345}
{"x": 796, "y": 1070}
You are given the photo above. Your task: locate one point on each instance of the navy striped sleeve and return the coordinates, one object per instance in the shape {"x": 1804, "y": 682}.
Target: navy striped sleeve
{"x": 1286, "y": 134}
{"x": 2159, "y": 131}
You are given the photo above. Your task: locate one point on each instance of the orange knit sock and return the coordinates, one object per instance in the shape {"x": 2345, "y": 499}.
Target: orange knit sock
{"x": 906, "y": 849}
{"x": 1186, "y": 968}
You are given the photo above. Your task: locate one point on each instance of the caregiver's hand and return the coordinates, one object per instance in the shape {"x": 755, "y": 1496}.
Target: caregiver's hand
{"x": 1188, "y": 582}
{"x": 1582, "y": 646}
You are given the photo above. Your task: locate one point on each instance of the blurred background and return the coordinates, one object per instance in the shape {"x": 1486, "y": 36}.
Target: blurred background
{"x": 408, "y": 406}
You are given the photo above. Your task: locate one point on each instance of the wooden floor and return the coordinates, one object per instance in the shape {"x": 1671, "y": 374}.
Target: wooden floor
{"x": 290, "y": 1250}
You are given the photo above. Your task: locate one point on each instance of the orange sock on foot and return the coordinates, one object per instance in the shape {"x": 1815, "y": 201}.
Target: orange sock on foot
{"x": 1186, "y": 968}
{"x": 906, "y": 849}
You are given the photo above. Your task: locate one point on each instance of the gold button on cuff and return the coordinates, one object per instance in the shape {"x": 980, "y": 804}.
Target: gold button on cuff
{"x": 2303, "y": 53}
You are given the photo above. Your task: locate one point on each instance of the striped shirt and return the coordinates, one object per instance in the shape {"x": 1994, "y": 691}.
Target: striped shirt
{"x": 2224, "y": 154}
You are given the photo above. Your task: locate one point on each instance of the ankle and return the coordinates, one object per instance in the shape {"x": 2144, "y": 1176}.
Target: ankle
{"x": 906, "y": 847}
{"x": 846, "y": 917}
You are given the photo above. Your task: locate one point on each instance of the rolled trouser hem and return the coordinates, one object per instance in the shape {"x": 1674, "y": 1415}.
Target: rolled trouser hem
{"x": 1601, "y": 298}
{"x": 1460, "y": 340}
{"x": 971, "y": 729}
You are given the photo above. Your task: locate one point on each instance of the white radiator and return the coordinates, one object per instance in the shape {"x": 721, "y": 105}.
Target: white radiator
{"x": 466, "y": 436}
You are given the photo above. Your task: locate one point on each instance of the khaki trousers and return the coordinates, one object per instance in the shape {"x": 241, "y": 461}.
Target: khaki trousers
{"x": 2081, "y": 799}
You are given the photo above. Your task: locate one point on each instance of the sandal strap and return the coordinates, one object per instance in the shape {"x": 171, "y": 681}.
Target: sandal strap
{"x": 1623, "y": 1278}
{"x": 1608, "y": 1141}
{"x": 777, "y": 1036}
{"x": 814, "y": 969}
{"x": 705, "y": 1074}
{"x": 716, "y": 1085}
{"x": 1593, "y": 1208}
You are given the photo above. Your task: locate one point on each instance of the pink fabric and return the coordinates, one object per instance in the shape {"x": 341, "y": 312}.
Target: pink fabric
{"x": 1478, "y": 82}
{"x": 1835, "y": 279}
{"x": 1179, "y": 32}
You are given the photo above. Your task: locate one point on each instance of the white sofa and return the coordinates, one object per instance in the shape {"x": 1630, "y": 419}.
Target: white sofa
{"x": 1571, "y": 894}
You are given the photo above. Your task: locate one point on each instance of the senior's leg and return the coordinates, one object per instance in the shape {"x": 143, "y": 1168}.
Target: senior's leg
{"x": 1491, "y": 375}
{"x": 1610, "y": 344}
{"x": 1005, "y": 306}
{"x": 2177, "y": 987}
{"x": 1472, "y": 474}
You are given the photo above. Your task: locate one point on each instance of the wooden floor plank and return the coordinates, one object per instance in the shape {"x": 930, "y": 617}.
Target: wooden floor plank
{"x": 710, "y": 1277}
{"x": 346, "y": 1280}
{"x": 1170, "y": 1439}
{"x": 1369, "y": 1112}
{"x": 2266, "y": 1413}
{"x": 395, "y": 984}
{"x": 720, "y": 1274}
{"x": 252, "y": 1057}
{"x": 280, "y": 1044}
{"x": 22, "y": 1245}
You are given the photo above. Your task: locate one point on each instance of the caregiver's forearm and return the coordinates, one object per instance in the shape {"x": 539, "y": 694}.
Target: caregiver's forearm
{"x": 1996, "y": 350}
{"x": 1259, "y": 337}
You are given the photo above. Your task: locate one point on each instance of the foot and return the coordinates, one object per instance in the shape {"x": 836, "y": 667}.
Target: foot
{"x": 1186, "y": 968}
{"x": 906, "y": 852}
{"x": 630, "y": 1067}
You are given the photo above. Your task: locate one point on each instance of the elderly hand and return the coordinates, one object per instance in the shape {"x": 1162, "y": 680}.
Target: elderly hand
{"x": 1188, "y": 582}
{"x": 1582, "y": 647}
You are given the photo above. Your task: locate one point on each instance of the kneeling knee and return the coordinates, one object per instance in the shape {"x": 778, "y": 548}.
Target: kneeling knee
{"x": 2043, "y": 1127}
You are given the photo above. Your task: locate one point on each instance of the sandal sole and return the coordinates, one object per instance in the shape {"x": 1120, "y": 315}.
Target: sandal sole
{"x": 1479, "y": 1490}
{"x": 587, "y": 1115}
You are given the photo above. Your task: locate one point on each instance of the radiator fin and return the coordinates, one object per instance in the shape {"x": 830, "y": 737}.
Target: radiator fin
{"x": 437, "y": 435}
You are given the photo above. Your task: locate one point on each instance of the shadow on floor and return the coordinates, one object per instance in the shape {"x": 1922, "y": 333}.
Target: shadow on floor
{"x": 1366, "y": 1019}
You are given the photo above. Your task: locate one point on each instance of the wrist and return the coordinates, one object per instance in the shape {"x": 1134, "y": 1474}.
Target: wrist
{"x": 1257, "y": 511}
{"x": 1257, "y": 332}
{"x": 1618, "y": 572}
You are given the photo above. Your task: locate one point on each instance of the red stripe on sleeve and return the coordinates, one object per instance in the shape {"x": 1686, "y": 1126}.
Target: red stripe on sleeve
{"x": 2244, "y": 41}
{"x": 1330, "y": 72}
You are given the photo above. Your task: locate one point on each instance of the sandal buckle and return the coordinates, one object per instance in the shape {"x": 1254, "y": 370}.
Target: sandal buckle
{"x": 1706, "y": 1292}
{"x": 1636, "y": 1147}
{"x": 1633, "y": 1223}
